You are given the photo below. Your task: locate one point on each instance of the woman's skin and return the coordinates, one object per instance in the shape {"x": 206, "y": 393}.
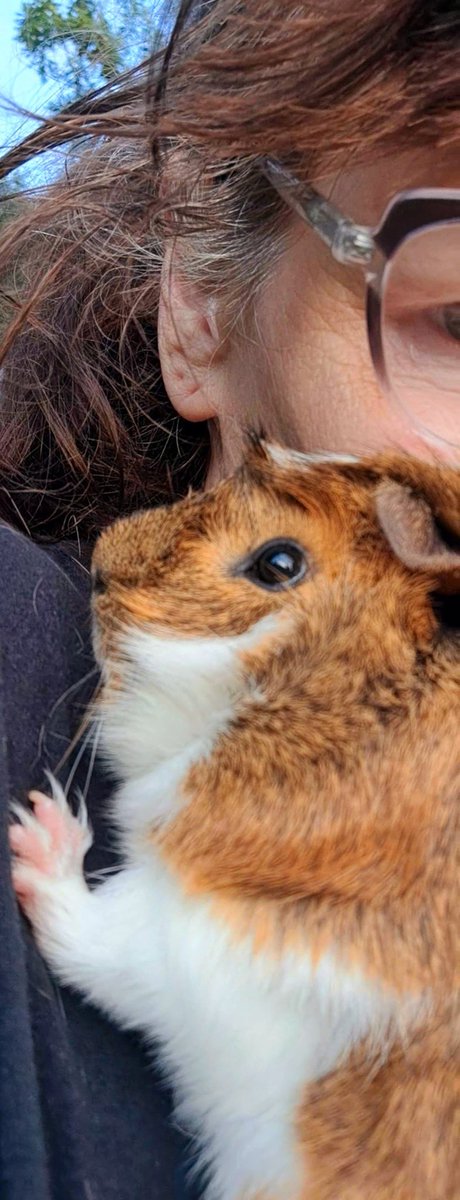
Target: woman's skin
{"x": 304, "y": 373}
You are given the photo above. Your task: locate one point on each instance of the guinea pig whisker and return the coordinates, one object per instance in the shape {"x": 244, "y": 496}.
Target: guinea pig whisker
{"x": 84, "y": 746}
{"x": 92, "y": 761}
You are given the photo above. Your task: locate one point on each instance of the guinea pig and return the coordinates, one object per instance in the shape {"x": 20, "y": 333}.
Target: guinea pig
{"x": 280, "y": 660}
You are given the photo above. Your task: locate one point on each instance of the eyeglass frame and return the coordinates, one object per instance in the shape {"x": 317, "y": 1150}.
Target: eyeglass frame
{"x": 369, "y": 247}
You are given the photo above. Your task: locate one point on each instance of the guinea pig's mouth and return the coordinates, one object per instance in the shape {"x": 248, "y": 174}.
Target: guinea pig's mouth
{"x": 110, "y": 622}
{"x": 99, "y": 583}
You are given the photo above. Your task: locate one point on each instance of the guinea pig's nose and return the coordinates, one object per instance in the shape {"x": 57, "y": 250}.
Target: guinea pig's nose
{"x": 99, "y": 582}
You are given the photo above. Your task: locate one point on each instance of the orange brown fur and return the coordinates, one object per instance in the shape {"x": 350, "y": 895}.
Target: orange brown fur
{"x": 327, "y": 815}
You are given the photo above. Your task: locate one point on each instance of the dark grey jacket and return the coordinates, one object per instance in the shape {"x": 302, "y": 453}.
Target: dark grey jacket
{"x": 82, "y": 1115}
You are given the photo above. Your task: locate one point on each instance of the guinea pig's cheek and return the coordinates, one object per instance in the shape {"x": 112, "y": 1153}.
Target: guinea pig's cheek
{"x": 260, "y": 639}
{"x": 137, "y": 606}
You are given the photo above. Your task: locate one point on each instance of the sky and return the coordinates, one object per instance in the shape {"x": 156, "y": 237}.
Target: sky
{"x": 19, "y": 83}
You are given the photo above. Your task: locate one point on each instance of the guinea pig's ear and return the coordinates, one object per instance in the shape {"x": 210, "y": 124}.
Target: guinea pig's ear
{"x": 415, "y": 537}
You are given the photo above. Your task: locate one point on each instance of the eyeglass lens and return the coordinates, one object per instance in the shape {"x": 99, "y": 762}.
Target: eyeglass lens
{"x": 421, "y": 329}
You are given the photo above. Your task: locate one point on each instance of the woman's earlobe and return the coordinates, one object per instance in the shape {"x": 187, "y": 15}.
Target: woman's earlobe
{"x": 189, "y": 345}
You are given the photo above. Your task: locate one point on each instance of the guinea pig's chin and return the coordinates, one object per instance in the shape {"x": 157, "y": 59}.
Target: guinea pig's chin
{"x": 97, "y": 644}
{"x": 166, "y": 698}
{"x": 106, "y": 645}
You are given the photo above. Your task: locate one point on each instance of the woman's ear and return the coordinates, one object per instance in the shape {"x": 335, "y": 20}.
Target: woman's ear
{"x": 189, "y": 343}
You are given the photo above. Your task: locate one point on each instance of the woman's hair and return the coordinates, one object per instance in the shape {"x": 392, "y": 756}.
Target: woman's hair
{"x": 171, "y": 151}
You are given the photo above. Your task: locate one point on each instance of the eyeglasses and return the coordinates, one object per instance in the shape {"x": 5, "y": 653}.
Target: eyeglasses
{"x": 411, "y": 262}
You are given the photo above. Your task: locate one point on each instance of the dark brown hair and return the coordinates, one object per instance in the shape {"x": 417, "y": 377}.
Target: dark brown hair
{"x": 87, "y": 430}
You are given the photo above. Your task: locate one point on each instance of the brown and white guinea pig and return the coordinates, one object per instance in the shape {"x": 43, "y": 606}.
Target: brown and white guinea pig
{"x": 281, "y": 700}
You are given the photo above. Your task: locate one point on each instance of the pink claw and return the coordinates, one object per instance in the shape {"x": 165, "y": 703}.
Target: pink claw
{"x": 48, "y": 844}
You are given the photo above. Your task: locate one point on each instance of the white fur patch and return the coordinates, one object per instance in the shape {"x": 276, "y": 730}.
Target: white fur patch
{"x": 178, "y": 695}
{"x": 283, "y": 457}
{"x": 241, "y": 1036}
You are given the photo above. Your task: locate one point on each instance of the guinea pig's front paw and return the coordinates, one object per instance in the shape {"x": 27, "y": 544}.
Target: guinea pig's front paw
{"x": 48, "y": 846}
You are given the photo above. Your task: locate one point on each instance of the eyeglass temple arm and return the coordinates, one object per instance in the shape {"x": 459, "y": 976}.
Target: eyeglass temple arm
{"x": 348, "y": 243}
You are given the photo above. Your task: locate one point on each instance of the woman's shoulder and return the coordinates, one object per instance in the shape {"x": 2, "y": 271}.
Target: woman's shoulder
{"x": 56, "y": 563}
{"x": 47, "y": 670}
{"x": 44, "y": 601}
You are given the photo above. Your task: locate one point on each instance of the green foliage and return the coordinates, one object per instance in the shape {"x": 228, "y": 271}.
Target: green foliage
{"x": 82, "y": 44}
{"x": 11, "y": 204}
{"x": 10, "y": 199}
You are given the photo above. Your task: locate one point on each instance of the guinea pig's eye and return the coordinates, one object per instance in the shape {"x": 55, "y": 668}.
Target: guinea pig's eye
{"x": 278, "y": 564}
